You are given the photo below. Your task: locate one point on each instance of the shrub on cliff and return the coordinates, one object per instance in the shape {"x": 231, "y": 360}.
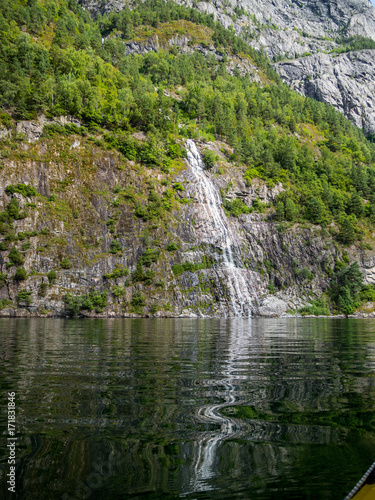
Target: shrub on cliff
{"x": 137, "y": 302}
{"x": 151, "y": 255}
{"x": 90, "y": 301}
{"x": 236, "y": 207}
{"x": 52, "y": 276}
{"x": 172, "y": 247}
{"x": 209, "y": 158}
{"x": 65, "y": 263}
{"x": 94, "y": 300}
{"x": 24, "y": 296}
{"x": 13, "y": 209}
{"x": 24, "y": 189}
{"x": 175, "y": 151}
{"x": 73, "y": 303}
{"x": 20, "y": 274}
{"x": 15, "y": 257}
{"x": 317, "y": 308}
{"x": 115, "y": 247}
{"x": 345, "y": 290}
{"x": 137, "y": 299}
{"x": 190, "y": 267}
{"x": 141, "y": 212}
{"x": 118, "y": 272}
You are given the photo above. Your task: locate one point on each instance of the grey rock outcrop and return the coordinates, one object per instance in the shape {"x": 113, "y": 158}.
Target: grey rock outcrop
{"x": 153, "y": 44}
{"x": 96, "y": 7}
{"x": 304, "y": 23}
{"x": 32, "y": 130}
{"x": 272, "y": 307}
{"x": 346, "y": 81}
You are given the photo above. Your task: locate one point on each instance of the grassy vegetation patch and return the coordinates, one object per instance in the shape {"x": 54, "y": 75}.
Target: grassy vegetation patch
{"x": 190, "y": 267}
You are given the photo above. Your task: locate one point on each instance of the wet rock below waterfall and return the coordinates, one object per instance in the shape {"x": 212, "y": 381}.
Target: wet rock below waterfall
{"x": 272, "y": 307}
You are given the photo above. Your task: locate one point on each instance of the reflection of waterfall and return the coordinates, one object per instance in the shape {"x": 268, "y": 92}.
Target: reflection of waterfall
{"x": 220, "y": 234}
{"x": 210, "y": 442}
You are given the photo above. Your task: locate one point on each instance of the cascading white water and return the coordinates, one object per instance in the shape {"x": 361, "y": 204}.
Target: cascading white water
{"x": 221, "y": 234}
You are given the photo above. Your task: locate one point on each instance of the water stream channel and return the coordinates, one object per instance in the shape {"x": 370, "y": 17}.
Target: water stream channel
{"x": 218, "y": 233}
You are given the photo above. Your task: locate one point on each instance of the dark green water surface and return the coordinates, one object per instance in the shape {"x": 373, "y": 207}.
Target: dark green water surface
{"x": 179, "y": 408}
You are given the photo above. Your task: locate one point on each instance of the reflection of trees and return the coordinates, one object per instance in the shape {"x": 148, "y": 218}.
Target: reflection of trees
{"x": 163, "y": 397}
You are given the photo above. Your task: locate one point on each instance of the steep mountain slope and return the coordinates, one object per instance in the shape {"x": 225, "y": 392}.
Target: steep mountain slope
{"x": 301, "y": 31}
{"x": 316, "y": 18}
{"x": 169, "y": 181}
{"x": 102, "y": 235}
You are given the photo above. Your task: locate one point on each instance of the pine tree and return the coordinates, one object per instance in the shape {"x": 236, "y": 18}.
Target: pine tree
{"x": 345, "y": 301}
{"x": 280, "y": 211}
{"x": 347, "y": 233}
{"x": 356, "y": 206}
{"x": 290, "y": 210}
{"x": 314, "y": 210}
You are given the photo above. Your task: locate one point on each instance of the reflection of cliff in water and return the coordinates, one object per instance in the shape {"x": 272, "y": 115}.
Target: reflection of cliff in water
{"x": 154, "y": 404}
{"x": 237, "y": 383}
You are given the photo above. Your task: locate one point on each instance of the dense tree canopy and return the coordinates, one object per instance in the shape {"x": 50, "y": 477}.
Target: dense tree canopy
{"x": 55, "y": 59}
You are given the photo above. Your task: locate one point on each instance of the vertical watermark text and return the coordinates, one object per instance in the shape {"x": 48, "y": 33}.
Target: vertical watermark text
{"x": 11, "y": 442}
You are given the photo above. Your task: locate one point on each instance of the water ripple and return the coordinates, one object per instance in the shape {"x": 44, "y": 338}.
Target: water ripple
{"x": 195, "y": 408}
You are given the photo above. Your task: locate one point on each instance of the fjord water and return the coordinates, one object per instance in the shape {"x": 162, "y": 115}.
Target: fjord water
{"x": 187, "y": 408}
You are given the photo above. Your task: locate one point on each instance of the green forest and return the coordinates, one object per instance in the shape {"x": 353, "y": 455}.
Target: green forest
{"x": 56, "y": 60}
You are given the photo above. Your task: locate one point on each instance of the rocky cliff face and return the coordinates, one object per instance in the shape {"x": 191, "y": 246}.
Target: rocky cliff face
{"x": 305, "y": 32}
{"x": 87, "y": 247}
{"x": 311, "y": 29}
{"x": 96, "y": 7}
{"x": 295, "y": 27}
{"x": 185, "y": 45}
{"x": 316, "y": 18}
{"x": 346, "y": 81}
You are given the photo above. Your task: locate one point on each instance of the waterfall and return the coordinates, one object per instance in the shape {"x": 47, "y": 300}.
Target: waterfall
{"x": 214, "y": 225}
